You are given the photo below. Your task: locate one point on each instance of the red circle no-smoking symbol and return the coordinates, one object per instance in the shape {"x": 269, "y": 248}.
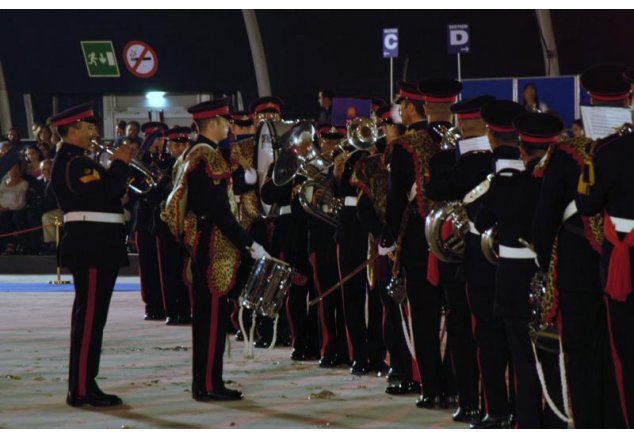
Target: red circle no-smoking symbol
{"x": 140, "y": 59}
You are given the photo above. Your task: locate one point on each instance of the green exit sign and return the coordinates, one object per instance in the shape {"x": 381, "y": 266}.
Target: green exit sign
{"x": 100, "y": 59}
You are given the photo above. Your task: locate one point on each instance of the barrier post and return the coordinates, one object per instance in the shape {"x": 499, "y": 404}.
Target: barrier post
{"x": 58, "y": 223}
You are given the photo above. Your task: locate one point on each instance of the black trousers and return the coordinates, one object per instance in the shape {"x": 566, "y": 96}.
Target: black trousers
{"x": 297, "y": 299}
{"x": 461, "y": 344}
{"x": 171, "y": 257}
{"x": 621, "y": 331}
{"x": 352, "y": 251}
{"x": 333, "y": 344}
{"x": 93, "y": 291}
{"x": 376, "y": 317}
{"x": 209, "y": 325}
{"x": 492, "y": 349}
{"x": 530, "y": 410}
{"x": 400, "y": 357}
{"x": 591, "y": 379}
{"x": 149, "y": 272}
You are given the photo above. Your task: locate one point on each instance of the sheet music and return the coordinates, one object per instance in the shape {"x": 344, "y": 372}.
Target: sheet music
{"x": 474, "y": 144}
{"x": 509, "y": 164}
{"x": 600, "y": 122}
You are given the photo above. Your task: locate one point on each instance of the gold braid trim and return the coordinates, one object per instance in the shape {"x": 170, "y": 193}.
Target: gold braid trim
{"x": 242, "y": 156}
{"x": 422, "y": 148}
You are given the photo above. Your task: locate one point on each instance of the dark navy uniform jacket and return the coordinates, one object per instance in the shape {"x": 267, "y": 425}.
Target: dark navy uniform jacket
{"x": 614, "y": 188}
{"x": 511, "y": 202}
{"x": 577, "y": 263}
{"x": 81, "y": 184}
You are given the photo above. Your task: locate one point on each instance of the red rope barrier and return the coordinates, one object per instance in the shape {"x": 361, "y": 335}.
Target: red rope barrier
{"x": 20, "y": 232}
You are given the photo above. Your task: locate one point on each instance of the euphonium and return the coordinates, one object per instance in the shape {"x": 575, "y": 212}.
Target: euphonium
{"x": 149, "y": 177}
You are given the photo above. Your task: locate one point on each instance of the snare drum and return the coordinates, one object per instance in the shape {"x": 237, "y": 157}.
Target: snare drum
{"x": 267, "y": 286}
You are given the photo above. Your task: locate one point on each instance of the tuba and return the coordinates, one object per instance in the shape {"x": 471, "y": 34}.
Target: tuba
{"x": 149, "y": 178}
{"x": 452, "y": 217}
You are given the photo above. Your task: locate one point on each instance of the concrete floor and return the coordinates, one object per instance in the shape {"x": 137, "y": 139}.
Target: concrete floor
{"x": 148, "y": 365}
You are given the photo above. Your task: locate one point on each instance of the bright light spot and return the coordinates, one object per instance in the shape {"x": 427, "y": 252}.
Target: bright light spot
{"x": 155, "y": 98}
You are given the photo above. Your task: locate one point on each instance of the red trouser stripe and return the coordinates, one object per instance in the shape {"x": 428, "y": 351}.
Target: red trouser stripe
{"x": 618, "y": 368}
{"x": 160, "y": 267}
{"x": 88, "y": 323}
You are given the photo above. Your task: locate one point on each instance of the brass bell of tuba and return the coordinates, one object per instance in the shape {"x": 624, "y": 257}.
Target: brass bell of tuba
{"x": 454, "y": 215}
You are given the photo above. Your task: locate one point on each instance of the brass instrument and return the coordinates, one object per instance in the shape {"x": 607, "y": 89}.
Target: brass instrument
{"x": 449, "y": 136}
{"x": 450, "y": 249}
{"x": 149, "y": 177}
{"x": 315, "y": 195}
{"x": 489, "y": 245}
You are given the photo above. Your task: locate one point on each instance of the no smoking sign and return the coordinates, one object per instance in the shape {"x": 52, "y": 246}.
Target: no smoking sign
{"x": 140, "y": 59}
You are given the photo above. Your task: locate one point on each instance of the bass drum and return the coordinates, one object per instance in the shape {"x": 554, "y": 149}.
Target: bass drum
{"x": 267, "y": 146}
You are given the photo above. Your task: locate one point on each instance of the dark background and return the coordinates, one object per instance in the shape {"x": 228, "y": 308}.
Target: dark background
{"x": 208, "y": 51}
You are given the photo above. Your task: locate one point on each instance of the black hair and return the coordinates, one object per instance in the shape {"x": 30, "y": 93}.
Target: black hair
{"x": 327, "y": 93}
{"x": 530, "y": 84}
{"x": 578, "y": 122}
{"x": 505, "y": 138}
{"x": 122, "y": 124}
{"x": 135, "y": 123}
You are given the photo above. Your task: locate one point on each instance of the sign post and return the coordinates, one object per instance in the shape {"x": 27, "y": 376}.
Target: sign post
{"x": 100, "y": 59}
{"x": 458, "y": 42}
{"x": 390, "y": 50}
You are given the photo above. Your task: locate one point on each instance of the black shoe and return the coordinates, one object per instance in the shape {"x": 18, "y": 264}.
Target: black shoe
{"x": 298, "y": 355}
{"x": 394, "y": 378}
{"x": 359, "y": 368}
{"x": 95, "y": 399}
{"x": 239, "y": 336}
{"x": 327, "y": 362}
{"x": 262, "y": 344}
{"x": 224, "y": 394}
{"x": 492, "y": 422}
{"x": 429, "y": 402}
{"x": 466, "y": 414}
{"x": 405, "y": 387}
{"x": 380, "y": 367}
{"x": 177, "y": 320}
{"x": 154, "y": 316}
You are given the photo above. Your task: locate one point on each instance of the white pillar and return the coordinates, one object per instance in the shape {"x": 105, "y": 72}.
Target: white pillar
{"x": 257, "y": 52}
{"x": 549, "y": 46}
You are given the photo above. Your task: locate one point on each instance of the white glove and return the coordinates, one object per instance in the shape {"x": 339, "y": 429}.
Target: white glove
{"x": 250, "y": 176}
{"x": 386, "y": 250}
{"x": 258, "y": 252}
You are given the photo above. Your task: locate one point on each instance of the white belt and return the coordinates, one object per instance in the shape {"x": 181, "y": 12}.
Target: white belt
{"x": 472, "y": 229}
{"x": 350, "y": 201}
{"x": 571, "y": 209}
{"x": 516, "y": 253}
{"x": 285, "y": 210}
{"x": 94, "y": 217}
{"x": 622, "y": 225}
{"x": 412, "y": 192}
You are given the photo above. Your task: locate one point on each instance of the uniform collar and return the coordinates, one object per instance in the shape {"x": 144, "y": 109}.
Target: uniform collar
{"x": 74, "y": 149}
{"x": 203, "y": 139}
{"x": 417, "y": 126}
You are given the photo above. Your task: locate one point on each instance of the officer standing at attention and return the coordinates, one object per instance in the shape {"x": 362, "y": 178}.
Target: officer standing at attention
{"x": 200, "y": 210}
{"x": 93, "y": 243}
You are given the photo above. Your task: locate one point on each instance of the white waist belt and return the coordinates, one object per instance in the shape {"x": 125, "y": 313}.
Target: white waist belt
{"x": 571, "y": 209}
{"x": 350, "y": 201}
{"x": 94, "y": 217}
{"x": 412, "y": 192}
{"x": 285, "y": 210}
{"x": 623, "y": 225}
{"x": 472, "y": 229}
{"x": 516, "y": 253}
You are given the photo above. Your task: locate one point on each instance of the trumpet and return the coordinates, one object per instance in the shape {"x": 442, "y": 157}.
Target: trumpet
{"x": 148, "y": 177}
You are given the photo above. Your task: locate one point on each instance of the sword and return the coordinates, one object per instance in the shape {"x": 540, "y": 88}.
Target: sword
{"x": 348, "y": 276}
